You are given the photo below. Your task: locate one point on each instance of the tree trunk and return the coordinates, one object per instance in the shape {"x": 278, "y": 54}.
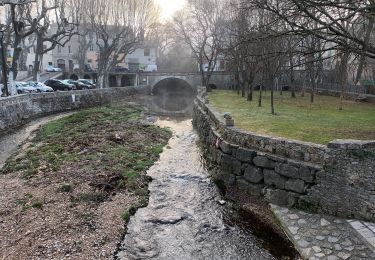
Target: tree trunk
{"x": 272, "y": 100}
{"x": 343, "y": 76}
{"x": 292, "y": 85}
{"x": 260, "y": 96}
{"x": 250, "y": 96}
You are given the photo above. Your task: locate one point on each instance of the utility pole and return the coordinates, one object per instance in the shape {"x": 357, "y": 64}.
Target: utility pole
{"x": 4, "y": 64}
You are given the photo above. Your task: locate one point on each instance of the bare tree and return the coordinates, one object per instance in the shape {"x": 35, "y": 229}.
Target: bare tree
{"x": 119, "y": 27}
{"x": 56, "y": 28}
{"x": 201, "y": 27}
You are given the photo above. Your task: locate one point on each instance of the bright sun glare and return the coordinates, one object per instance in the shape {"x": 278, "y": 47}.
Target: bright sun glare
{"x": 169, "y": 7}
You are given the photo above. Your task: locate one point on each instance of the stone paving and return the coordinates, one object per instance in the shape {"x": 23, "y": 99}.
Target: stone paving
{"x": 326, "y": 237}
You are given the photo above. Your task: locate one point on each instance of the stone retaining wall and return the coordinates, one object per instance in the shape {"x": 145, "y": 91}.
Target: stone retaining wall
{"x": 18, "y": 110}
{"x": 337, "y": 179}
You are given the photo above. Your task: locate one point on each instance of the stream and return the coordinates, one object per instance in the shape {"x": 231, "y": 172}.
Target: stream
{"x": 184, "y": 219}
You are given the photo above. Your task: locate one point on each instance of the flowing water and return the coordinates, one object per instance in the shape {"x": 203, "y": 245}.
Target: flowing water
{"x": 183, "y": 219}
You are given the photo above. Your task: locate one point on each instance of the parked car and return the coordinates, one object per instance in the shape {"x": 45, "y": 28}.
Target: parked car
{"x": 121, "y": 69}
{"x": 40, "y": 87}
{"x": 53, "y": 69}
{"x": 151, "y": 68}
{"x": 79, "y": 85}
{"x": 24, "y": 88}
{"x": 87, "y": 82}
{"x": 59, "y": 85}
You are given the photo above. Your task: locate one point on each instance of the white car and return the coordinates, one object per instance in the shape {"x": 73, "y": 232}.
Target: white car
{"x": 53, "y": 69}
{"x": 40, "y": 87}
{"x": 24, "y": 88}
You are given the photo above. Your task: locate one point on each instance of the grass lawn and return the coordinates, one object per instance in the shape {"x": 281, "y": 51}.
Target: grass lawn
{"x": 297, "y": 119}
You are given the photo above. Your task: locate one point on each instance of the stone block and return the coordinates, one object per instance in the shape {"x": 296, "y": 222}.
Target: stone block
{"x": 264, "y": 162}
{"x": 245, "y": 155}
{"x": 287, "y": 170}
{"x": 295, "y": 185}
{"x": 281, "y": 197}
{"x": 306, "y": 174}
{"x": 242, "y": 185}
{"x": 271, "y": 178}
{"x": 255, "y": 189}
{"x": 225, "y": 147}
{"x": 230, "y": 165}
{"x": 253, "y": 174}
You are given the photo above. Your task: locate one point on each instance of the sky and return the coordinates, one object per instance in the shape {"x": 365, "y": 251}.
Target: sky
{"x": 168, "y": 7}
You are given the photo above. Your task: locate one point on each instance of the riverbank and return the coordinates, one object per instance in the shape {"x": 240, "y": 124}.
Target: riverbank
{"x": 70, "y": 189}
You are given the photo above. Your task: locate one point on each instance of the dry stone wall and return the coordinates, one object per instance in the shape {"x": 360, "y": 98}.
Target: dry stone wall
{"x": 337, "y": 179}
{"x": 17, "y": 110}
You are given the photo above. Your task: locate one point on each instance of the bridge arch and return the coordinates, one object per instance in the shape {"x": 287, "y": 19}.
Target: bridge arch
{"x": 173, "y": 94}
{"x": 173, "y": 86}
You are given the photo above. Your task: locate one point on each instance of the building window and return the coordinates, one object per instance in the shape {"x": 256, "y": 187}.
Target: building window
{"x": 70, "y": 49}
{"x": 91, "y": 47}
{"x": 59, "y": 49}
{"x": 147, "y": 52}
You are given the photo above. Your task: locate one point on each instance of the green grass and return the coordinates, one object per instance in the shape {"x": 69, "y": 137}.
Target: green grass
{"x": 86, "y": 134}
{"x": 320, "y": 122}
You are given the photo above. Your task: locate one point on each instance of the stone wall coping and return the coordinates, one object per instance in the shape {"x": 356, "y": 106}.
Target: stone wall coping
{"x": 350, "y": 144}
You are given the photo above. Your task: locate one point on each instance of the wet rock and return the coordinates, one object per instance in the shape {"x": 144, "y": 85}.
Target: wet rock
{"x": 169, "y": 219}
{"x": 264, "y": 162}
{"x": 222, "y": 202}
{"x": 253, "y": 174}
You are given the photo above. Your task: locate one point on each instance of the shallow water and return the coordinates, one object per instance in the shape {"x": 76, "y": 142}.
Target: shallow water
{"x": 184, "y": 219}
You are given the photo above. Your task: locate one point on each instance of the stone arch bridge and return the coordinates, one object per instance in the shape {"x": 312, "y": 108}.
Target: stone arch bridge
{"x": 166, "y": 80}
